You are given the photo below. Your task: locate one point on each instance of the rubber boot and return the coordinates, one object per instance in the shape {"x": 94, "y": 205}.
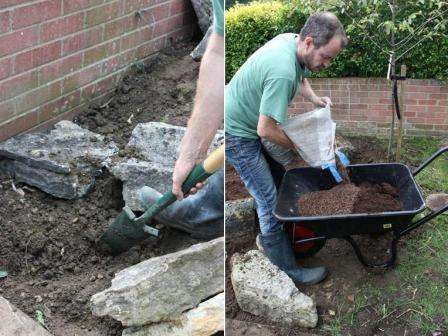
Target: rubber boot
{"x": 277, "y": 248}
{"x": 201, "y": 215}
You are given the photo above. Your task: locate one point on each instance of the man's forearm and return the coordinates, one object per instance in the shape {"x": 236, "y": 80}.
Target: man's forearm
{"x": 307, "y": 91}
{"x": 208, "y": 108}
{"x": 269, "y": 130}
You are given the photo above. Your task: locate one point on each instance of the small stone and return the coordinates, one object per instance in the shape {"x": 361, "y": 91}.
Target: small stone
{"x": 38, "y": 298}
{"x": 92, "y": 278}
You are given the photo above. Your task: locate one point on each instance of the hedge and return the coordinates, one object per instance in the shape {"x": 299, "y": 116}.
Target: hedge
{"x": 248, "y": 27}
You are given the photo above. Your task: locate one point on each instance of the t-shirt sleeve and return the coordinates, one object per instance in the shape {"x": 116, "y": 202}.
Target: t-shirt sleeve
{"x": 218, "y": 17}
{"x": 275, "y": 98}
{"x": 306, "y": 73}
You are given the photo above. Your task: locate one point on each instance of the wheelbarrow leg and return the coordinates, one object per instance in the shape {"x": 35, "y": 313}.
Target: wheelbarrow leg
{"x": 389, "y": 263}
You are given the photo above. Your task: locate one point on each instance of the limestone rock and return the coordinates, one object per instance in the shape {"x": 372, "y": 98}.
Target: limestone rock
{"x": 63, "y": 162}
{"x": 262, "y": 289}
{"x": 204, "y": 320}
{"x": 152, "y": 149}
{"x": 16, "y": 323}
{"x": 161, "y": 288}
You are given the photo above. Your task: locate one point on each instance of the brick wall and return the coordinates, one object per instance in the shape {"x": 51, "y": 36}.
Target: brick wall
{"x": 56, "y": 55}
{"x": 364, "y": 105}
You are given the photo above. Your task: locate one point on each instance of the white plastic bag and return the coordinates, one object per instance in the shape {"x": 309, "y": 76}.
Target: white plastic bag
{"x": 313, "y": 134}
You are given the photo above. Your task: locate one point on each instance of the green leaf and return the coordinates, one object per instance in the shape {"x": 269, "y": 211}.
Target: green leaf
{"x": 40, "y": 318}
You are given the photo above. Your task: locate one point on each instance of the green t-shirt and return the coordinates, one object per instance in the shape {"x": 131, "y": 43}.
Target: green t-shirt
{"x": 266, "y": 83}
{"x": 218, "y": 17}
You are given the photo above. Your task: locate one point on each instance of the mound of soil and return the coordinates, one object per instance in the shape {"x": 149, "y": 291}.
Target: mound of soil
{"x": 50, "y": 246}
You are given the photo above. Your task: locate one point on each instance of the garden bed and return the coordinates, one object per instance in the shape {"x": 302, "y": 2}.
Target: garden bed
{"x": 50, "y": 246}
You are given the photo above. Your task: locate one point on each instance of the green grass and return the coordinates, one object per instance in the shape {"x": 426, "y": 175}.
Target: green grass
{"x": 418, "y": 300}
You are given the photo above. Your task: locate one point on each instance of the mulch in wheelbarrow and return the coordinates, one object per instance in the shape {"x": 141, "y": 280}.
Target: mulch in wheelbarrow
{"x": 348, "y": 198}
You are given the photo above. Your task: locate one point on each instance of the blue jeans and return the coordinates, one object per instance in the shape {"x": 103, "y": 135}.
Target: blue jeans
{"x": 246, "y": 156}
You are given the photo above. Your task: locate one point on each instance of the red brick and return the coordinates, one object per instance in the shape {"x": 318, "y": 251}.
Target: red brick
{"x": 39, "y": 12}
{"x": 179, "y": 6}
{"x": 116, "y": 63}
{"x": 160, "y": 12}
{"x": 438, "y": 96}
{"x": 167, "y": 26}
{"x": 81, "y": 78}
{"x": 71, "y": 6}
{"x": 82, "y": 40}
{"x": 130, "y": 40}
{"x": 99, "y": 88}
{"x": 379, "y": 94}
{"x": 62, "y": 104}
{"x": 5, "y": 68}
{"x": 416, "y": 120}
{"x": 443, "y": 102}
{"x": 37, "y": 97}
{"x": 118, "y": 27}
{"x": 441, "y": 127}
{"x": 60, "y": 68}
{"x": 416, "y": 95}
{"x": 7, "y": 110}
{"x": 19, "y": 40}
{"x": 100, "y": 52}
{"x": 430, "y": 102}
{"x": 102, "y": 14}
{"x": 151, "y": 47}
{"x": 19, "y": 84}
{"x": 423, "y": 88}
{"x": 10, "y": 3}
{"x": 18, "y": 125}
{"x": 4, "y": 21}
{"x": 415, "y": 108}
{"x": 38, "y": 56}
{"x": 61, "y": 27}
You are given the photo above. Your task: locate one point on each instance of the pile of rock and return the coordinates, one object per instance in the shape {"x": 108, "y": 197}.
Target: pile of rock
{"x": 175, "y": 294}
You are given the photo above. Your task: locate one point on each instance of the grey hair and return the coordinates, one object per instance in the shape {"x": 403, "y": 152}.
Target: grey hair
{"x": 322, "y": 26}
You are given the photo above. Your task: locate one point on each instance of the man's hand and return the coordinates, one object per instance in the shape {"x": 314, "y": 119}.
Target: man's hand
{"x": 181, "y": 170}
{"x": 322, "y": 101}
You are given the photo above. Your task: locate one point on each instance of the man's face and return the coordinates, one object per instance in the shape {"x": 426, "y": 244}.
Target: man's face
{"x": 318, "y": 59}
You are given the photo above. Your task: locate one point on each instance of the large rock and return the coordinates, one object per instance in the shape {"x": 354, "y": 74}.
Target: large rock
{"x": 153, "y": 149}
{"x": 204, "y": 13}
{"x": 262, "y": 289}
{"x": 240, "y": 217}
{"x": 63, "y": 162}
{"x": 13, "y": 322}
{"x": 199, "y": 50}
{"x": 160, "y": 289}
{"x": 207, "y": 319}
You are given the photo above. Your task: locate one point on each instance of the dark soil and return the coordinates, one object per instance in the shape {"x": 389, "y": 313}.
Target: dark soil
{"x": 50, "y": 246}
{"x": 235, "y": 188}
{"x": 347, "y": 274}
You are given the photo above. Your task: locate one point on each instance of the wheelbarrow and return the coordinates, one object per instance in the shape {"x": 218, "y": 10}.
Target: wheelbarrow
{"x": 309, "y": 233}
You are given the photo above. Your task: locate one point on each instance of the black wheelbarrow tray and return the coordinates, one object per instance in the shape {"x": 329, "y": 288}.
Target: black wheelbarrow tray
{"x": 309, "y": 233}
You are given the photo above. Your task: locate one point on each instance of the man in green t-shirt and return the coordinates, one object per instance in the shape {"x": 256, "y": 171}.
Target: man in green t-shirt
{"x": 257, "y": 99}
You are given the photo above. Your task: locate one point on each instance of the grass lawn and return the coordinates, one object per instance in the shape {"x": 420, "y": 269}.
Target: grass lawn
{"x": 418, "y": 300}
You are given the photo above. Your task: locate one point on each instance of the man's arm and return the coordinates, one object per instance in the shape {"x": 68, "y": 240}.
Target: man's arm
{"x": 268, "y": 128}
{"x": 307, "y": 92}
{"x": 207, "y": 116}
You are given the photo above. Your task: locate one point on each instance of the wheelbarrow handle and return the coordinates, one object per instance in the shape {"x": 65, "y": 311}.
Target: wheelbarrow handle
{"x": 436, "y": 212}
{"x": 428, "y": 161}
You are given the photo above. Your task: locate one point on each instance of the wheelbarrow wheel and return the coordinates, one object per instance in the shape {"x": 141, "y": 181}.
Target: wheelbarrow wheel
{"x": 303, "y": 249}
